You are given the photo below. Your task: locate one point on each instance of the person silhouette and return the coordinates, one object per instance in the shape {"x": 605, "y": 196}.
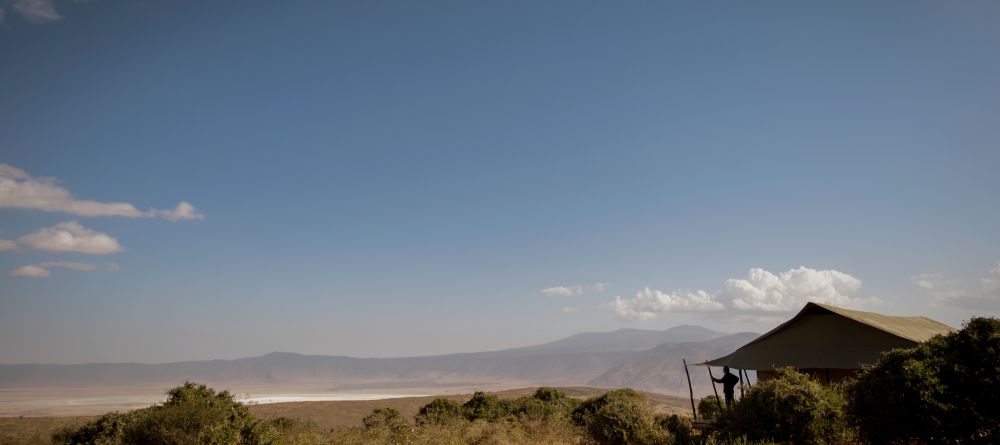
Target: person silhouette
{"x": 728, "y": 381}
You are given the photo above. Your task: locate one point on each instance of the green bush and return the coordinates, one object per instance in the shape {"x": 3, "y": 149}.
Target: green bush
{"x": 709, "y": 407}
{"x": 382, "y": 417}
{"x": 108, "y": 429}
{"x": 440, "y": 412}
{"x": 943, "y": 391}
{"x": 789, "y": 408}
{"x": 487, "y": 407}
{"x": 620, "y": 417}
{"x": 680, "y": 428}
{"x": 193, "y": 414}
{"x": 547, "y": 404}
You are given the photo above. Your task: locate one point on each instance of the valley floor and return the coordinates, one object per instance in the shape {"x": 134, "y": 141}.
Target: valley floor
{"x": 29, "y": 429}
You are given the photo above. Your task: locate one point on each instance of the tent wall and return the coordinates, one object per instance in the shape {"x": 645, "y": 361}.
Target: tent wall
{"x": 815, "y": 341}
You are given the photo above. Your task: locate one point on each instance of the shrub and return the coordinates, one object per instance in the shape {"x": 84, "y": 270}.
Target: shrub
{"x": 680, "y": 428}
{"x": 381, "y": 417}
{"x": 193, "y": 414}
{"x": 487, "y": 407}
{"x": 545, "y": 405}
{"x": 439, "y": 412}
{"x": 107, "y": 429}
{"x": 709, "y": 407}
{"x": 619, "y": 417}
{"x": 942, "y": 391}
{"x": 790, "y": 408}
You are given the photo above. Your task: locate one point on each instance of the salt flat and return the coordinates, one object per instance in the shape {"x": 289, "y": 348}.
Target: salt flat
{"x": 99, "y": 400}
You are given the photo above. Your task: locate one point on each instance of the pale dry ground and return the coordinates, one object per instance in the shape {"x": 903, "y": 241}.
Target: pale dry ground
{"x": 325, "y": 415}
{"x": 89, "y": 401}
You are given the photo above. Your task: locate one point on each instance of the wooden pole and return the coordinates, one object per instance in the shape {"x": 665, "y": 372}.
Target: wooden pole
{"x": 716, "y": 391}
{"x": 694, "y": 412}
{"x": 741, "y": 383}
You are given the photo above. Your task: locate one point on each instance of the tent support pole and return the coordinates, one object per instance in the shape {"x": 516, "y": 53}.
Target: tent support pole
{"x": 741, "y": 384}
{"x": 714, "y": 389}
{"x": 694, "y": 412}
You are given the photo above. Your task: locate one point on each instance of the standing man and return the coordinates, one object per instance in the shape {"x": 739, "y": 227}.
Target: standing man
{"x": 728, "y": 381}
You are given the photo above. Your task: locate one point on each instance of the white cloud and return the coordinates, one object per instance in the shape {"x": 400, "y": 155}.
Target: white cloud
{"x": 6, "y": 244}
{"x": 83, "y": 267}
{"x": 9, "y": 171}
{"x": 937, "y": 287}
{"x": 576, "y": 289}
{"x": 568, "y": 310}
{"x": 985, "y": 296}
{"x": 647, "y": 303}
{"x": 563, "y": 291}
{"x": 790, "y": 290}
{"x": 41, "y": 270}
{"x": 29, "y": 271}
{"x": 600, "y": 287}
{"x": 37, "y": 11}
{"x": 112, "y": 267}
{"x": 71, "y": 237}
{"x": 20, "y": 190}
{"x": 183, "y": 211}
{"x": 759, "y": 292}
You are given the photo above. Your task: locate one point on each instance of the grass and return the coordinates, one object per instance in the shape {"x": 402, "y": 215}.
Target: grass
{"x": 344, "y": 418}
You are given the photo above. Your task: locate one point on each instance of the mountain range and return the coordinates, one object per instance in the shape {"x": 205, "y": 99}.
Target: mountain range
{"x": 649, "y": 360}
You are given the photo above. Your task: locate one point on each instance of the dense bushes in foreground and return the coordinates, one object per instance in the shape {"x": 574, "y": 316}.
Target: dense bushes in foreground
{"x": 791, "y": 408}
{"x": 943, "y": 391}
{"x": 193, "y": 414}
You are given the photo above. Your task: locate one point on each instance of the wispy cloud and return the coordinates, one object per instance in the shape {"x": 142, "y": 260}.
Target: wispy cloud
{"x": 71, "y": 237}
{"x": 112, "y": 267}
{"x": 759, "y": 292}
{"x": 20, "y": 190}
{"x": 937, "y": 287}
{"x": 984, "y": 295}
{"x": 42, "y": 270}
{"x": 82, "y": 267}
{"x": 37, "y": 11}
{"x": 6, "y": 244}
{"x": 562, "y": 291}
{"x": 183, "y": 211}
{"x": 569, "y": 310}
{"x": 29, "y": 272}
{"x": 574, "y": 290}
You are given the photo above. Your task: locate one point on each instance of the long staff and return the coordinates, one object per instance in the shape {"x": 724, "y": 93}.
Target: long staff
{"x": 690, "y": 390}
{"x": 716, "y": 391}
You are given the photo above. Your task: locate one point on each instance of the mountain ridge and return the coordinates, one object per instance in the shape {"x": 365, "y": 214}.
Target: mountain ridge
{"x": 575, "y": 360}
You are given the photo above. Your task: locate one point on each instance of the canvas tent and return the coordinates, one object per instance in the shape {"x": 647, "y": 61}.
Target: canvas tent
{"x": 829, "y": 342}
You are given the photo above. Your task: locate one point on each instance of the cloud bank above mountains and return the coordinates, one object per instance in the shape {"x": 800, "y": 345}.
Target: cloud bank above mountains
{"x": 760, "y": 291}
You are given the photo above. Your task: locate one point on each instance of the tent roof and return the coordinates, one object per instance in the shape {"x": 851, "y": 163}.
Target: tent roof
{"x": 824, "y": 336}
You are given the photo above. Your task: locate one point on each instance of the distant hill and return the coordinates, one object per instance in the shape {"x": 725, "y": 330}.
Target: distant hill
{"x": 661, "y": 369}
{"x": 626, "y": 357}
{"x": 625, "y": 340}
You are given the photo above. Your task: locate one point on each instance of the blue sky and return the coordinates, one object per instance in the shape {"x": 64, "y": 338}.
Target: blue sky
{"x": 225, "y": 179}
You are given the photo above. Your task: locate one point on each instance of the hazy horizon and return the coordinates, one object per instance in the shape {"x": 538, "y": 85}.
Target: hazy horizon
{"x": 191, "y": 180}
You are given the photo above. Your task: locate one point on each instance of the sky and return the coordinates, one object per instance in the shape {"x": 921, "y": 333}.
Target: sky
{"x": 184, "y": 180}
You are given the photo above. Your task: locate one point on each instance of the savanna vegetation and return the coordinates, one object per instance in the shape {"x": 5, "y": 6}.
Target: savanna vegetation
{"x": 944, "y": 391}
